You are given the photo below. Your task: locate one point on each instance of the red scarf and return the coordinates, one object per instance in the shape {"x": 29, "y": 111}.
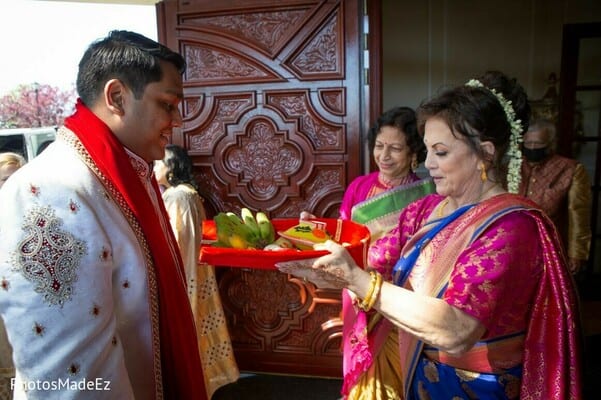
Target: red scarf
{"x": 182, "y": 376}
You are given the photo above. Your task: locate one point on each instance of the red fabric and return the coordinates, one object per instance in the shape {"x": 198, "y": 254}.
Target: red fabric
{"x": 554, "y": 329}
{"x": 182, "y": 376}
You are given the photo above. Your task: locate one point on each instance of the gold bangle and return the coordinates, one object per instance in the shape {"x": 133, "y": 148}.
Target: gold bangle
{"x": 369, "y": 299}
{"x": 370, "y": 291}
{"x": 376, "y": 293}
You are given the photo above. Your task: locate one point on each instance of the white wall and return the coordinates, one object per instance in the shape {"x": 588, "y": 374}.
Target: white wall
{"x": 429, "y": 44}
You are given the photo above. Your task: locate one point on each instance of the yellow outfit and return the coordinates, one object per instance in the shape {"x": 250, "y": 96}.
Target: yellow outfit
{"x": 383, "y": 378}
{"x": 186, "y": 214}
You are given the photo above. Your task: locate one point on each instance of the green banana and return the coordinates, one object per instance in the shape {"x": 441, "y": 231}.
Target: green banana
{"x": 222, "y": 223}
{"x": 231, "y": 231}
{"x": 241, "y": 236}
{"x": 232, "y": 216}
{"x": 244, "y": 231}
{"x": 265, "y": 227}
{"x": 250, "y": 221}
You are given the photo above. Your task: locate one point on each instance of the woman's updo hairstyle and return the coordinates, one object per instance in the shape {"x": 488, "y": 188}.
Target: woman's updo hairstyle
{"x": 477, "y": 114}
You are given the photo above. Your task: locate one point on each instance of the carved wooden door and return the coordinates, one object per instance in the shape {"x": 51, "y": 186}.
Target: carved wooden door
{"x": 272, "y": 120}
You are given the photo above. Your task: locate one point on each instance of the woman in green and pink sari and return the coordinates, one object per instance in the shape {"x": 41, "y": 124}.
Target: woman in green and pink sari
{"x": 377, "y": 199}
{"x": 470, "y": 295}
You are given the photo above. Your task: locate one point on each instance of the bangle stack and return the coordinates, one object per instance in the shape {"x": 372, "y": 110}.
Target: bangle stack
{"x": 373, "y": 292}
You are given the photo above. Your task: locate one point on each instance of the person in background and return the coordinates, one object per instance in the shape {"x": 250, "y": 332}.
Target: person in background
{"x": 186, "y": 213}
{"x": 446, "y": 328}
{"x": 92, "y": 285}
{"x": 377, "y": 199}
{"x": 561, "y": 187}
{"x": 9, "y": 163}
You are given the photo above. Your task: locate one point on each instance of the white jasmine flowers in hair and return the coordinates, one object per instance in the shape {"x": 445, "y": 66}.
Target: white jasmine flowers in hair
{"x": 514, "y": 173}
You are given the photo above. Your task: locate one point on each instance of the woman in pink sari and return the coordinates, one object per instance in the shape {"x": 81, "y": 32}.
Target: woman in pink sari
{"x": 376, "y": 199}
{"x": 481, "y": 304}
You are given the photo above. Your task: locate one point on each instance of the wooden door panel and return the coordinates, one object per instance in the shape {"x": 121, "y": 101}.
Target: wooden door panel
{"x": 272, "y": 120}
{"x": 289, "y": 328}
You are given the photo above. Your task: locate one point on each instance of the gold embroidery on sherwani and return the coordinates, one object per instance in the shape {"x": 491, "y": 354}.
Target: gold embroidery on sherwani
{"x": 112, "y": 194}
{"x": 48, "y": 257}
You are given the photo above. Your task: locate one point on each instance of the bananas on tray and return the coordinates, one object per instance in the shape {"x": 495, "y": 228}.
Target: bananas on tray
{"x": 246, "y": 231}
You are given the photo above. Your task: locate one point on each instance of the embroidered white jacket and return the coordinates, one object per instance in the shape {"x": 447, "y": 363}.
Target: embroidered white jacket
{"x": 74, "y": 289}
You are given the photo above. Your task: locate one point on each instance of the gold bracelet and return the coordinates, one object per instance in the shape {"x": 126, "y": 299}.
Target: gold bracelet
{"x": 376, "y": 293}
{"x": 365, "y": 304}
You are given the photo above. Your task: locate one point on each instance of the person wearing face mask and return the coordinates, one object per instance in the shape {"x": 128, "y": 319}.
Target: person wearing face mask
{"x": 561, "y": 187}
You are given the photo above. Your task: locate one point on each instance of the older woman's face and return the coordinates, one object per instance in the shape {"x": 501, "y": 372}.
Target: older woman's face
{"x": 392, "y": 155}
{"x": 453, "y": 165}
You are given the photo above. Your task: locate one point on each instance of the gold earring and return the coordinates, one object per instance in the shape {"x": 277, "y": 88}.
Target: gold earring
{"x": 483, "y": 175}
{"x": 414, "y": 164}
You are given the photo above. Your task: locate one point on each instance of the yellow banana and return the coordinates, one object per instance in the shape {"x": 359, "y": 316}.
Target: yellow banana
{"x": 238, "y": 242}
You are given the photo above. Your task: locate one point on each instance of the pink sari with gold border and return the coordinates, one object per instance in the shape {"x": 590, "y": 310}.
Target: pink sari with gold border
{"x": 558, "y": 337}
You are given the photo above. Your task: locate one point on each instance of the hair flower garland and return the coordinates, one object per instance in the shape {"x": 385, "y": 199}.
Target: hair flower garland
{"x": 514, "y": 173}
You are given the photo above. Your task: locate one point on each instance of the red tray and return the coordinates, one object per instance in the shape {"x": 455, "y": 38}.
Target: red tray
{"x": 342, "y": 231}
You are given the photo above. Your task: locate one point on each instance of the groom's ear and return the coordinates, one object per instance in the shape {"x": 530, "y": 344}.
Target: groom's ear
{"x": 114, "y": 96}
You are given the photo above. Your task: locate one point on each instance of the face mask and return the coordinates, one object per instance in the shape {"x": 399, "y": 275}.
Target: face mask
{"x": 535, "y": 155}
